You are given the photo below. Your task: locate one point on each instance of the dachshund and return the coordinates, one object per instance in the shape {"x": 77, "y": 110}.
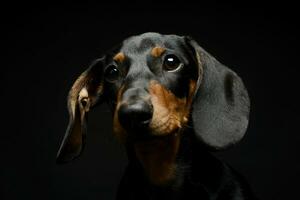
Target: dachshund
{"x": 173, "y": 105}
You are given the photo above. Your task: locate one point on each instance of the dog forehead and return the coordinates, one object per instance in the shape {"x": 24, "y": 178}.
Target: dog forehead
{"x": 144, "y": 42}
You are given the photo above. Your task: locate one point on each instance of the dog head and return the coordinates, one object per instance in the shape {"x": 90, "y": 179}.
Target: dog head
{"x": 156, "y": 86}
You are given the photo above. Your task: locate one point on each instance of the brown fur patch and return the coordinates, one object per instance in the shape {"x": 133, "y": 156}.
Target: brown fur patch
{"x": 119, "y": 57}
{"x": 81, "y": 85}
{"x": 75, "y": 90}
{"x": 158, "y": 158}
{"x": 170, "y": 115}
{"x": 169, "y": 112}
{"x": 157, "y": 51}
{"x": 192, "y": 92}
{"x": 118, "y": 130}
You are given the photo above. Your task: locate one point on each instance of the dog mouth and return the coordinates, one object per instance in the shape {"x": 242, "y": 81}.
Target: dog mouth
{"x": 148, "y": 135}
{"x": 154, "y": 131}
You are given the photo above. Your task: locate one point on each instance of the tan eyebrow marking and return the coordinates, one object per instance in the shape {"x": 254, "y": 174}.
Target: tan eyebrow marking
{"x": 119, "y": 57}
{"x": 157, "y": 51}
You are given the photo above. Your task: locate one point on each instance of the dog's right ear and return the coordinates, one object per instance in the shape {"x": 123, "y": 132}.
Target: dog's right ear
{"x": 221, "y": 104}
{"x": 85, "y": 93}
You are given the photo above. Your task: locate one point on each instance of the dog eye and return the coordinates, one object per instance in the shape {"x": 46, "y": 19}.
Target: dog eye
{"x": 172, "y": 63}
{"x": 111, "y": 73}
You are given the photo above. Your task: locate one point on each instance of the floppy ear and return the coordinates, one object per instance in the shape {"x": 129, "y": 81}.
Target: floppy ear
{"x": 85, "y": 93}
{"x": 221, "y": 104}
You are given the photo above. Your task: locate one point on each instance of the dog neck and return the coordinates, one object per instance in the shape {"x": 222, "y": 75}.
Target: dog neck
{"x": 172, "y": 162}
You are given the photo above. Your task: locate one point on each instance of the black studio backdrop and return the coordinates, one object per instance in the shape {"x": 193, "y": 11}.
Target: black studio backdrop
{"x": 45, "y": 48}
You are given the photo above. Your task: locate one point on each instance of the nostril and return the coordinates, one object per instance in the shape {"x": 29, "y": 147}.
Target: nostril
{"x": 135, "y": 115}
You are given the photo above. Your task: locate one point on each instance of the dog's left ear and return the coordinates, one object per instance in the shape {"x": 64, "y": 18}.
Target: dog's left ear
{"x": 85, "y": 93}
{"x": 221, "y": 104}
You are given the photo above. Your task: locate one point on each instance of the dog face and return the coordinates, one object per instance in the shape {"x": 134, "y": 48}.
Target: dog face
{"x": 155, "y": 85}
{"x": 149, "y": 82}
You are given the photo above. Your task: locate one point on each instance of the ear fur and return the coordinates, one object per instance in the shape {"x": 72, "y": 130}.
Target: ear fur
{"x": 221, "y": 104}
{"x": 85, "y": 93}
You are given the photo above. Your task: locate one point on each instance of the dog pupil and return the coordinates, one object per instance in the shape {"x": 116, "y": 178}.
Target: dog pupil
{"x": 112, "y": 73}
{"x": 171, "y": 62}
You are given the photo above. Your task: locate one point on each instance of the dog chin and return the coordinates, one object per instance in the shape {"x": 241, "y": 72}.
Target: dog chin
{"x": 148, "y": 135}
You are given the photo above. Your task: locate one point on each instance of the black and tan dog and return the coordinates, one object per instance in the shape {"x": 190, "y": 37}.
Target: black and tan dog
{"x": 173, "y": 103}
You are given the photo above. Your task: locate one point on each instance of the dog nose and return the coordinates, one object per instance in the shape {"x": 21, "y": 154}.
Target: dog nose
{"x": 135, "y": 115}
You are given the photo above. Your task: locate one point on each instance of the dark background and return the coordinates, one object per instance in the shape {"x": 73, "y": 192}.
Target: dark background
{"x": 45, "y": 48}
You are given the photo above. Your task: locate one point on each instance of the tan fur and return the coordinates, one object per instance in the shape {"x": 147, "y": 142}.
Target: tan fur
{"x": 118, "y": 130}
{"x": 157, "y": 51}
{"x": 119, "y": 57}
{"x": 81, "y": 90}
{"x": 169, "y": 112}
{"x": 170, "y": 115}
{"x": 158, "y": 158}
{"x": 84, "y": 97}
{"x": 75, "y": 90}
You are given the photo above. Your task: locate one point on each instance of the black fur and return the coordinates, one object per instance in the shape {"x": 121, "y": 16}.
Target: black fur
{"x": 219, "y": 116}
